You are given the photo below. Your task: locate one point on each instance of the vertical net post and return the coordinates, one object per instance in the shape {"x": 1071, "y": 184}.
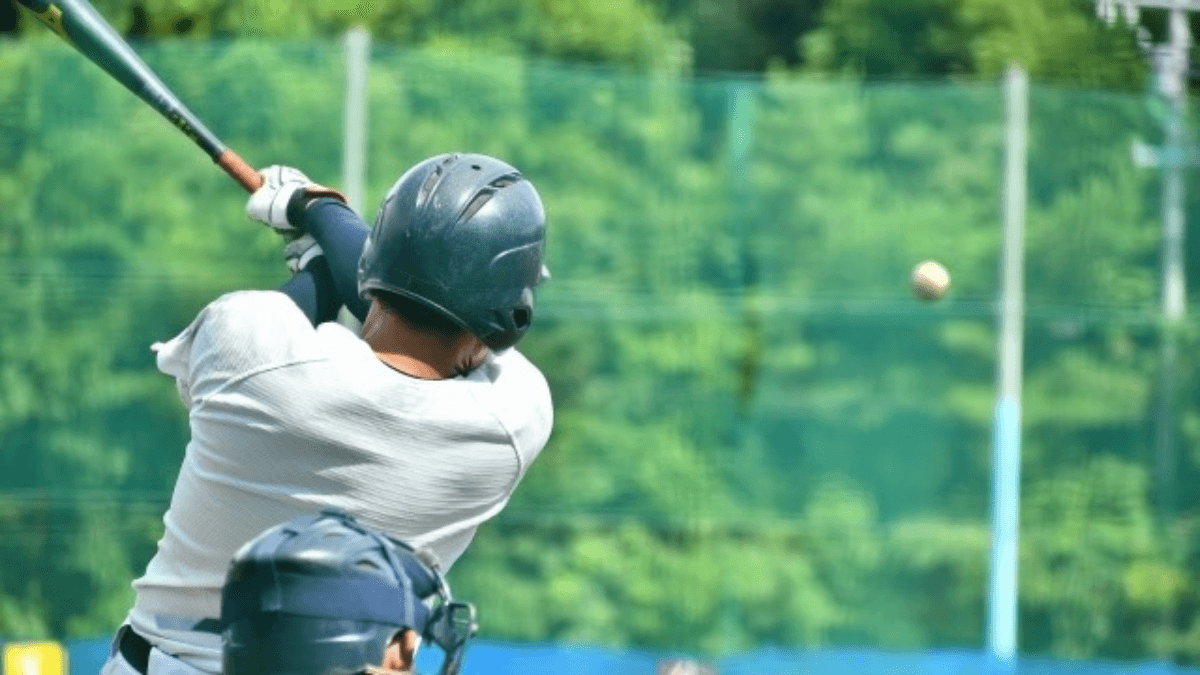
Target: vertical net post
{"x": 354, "y": 129}
{"x": 1006, "y": 466}
{"x": 354, "y": 132}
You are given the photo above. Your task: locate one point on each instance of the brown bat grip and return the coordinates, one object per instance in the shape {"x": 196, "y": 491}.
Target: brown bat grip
{"x": 252, "y": 180}
{"x": 241, "y": 171}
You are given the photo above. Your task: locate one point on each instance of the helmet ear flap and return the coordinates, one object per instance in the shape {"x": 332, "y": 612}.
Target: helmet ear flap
{"x": 506, "y": 327}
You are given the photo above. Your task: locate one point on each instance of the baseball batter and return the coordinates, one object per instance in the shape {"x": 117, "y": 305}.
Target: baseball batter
{"x": 421, "y": 427}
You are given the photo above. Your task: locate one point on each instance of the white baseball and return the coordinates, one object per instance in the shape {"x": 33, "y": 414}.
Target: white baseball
{"x": 930, "y": 280}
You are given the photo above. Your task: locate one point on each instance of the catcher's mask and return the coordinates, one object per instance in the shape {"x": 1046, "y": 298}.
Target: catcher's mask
{"x": 323, "y": 595}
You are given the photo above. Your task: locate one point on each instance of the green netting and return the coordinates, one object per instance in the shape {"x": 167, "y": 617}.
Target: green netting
{"x": 761, "y": 437}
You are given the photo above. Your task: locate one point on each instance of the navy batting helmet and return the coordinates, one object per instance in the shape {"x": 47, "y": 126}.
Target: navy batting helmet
{"x": 322, "y": 595}
{"x": 464, "y": 234}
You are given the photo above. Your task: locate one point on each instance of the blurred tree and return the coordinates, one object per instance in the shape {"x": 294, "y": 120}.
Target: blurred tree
{"x": 885, "y": 38}
{"x": 760, "y": 439}
{"x": 624, "y": 32}
{"x": 744, "y": 35}
{"x": 9, "y": 18}
{"x": 1058, "y": 41}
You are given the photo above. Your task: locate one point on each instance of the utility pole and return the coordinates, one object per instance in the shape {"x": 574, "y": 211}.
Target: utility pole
{"x": 357, "y": 48}
{"x": 1170, "y": 62}
{"x": 354, "y": 117}
{"x": 1006, "y": 440}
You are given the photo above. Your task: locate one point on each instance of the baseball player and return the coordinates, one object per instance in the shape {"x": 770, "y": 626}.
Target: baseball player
{"x": 323, "y": 595}
{"x": 421, "y": 426}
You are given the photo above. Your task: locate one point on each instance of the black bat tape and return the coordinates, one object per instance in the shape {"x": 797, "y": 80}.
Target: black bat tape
{"x": 80, "y": 24}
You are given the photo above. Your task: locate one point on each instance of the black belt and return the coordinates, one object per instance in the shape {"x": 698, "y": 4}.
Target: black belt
{"x": 134, "y": 648}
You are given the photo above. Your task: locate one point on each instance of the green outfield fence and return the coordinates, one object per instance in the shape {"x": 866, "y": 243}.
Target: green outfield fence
{"x": 761, "y": 439}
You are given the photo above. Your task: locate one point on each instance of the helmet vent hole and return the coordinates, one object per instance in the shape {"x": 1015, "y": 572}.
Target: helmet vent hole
{"x": 427, "y": 186}
{"x": 476, "y": 167}
{"x": 476, "y": 203}
{"x": 521, "y": 318}
{"x": 505, "y": 181}
{"x": 367, "y": 565}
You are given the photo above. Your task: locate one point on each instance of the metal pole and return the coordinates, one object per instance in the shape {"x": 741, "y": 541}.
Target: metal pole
{"x": 354, "y": 121}
{"x": 1174, "y": 84}
{"x": 1171, "y": 69}
{"x": 1006, "y": 467}
{"x": 1173, "y": 73}
{"x": 354, "y": 133}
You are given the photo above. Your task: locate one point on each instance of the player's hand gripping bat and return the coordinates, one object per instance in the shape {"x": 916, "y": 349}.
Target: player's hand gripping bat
{"x": 82, "y": 27}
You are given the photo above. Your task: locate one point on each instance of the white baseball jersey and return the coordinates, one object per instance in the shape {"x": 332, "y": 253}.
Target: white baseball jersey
{"x": 287, "y": 418}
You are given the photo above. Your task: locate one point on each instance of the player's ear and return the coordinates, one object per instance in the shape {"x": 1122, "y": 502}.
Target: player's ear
{"x": 401, "y": 651}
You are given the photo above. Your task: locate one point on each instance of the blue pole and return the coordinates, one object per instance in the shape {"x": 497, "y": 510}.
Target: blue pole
{"x": 1006, "y": 448}
{"x": 1006, "y": 504}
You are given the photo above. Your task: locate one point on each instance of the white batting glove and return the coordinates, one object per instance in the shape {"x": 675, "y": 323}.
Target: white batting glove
{"x": 301, "y": 251}
{"x": 269, "y": 203}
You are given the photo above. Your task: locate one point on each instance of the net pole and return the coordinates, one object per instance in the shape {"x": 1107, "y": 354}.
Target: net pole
{"x": 354, "y": 119}
{"x": 1006, "y": 448}
{"x": 357, "y": 54}
{"x": 1173, "y": 72}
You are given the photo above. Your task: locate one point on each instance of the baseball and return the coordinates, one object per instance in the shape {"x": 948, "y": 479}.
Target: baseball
{"x": 930, "y": 281}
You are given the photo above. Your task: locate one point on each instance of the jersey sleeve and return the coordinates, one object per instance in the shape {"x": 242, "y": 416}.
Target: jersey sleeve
{"x": 235, "y": 336}
{"x": 522, "y": 403}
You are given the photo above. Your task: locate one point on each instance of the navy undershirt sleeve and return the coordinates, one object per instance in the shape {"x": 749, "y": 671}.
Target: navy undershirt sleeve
{"x": 341, "y": 234}
{"x": 331, "y": 280}
{"x": 312, "y": 290}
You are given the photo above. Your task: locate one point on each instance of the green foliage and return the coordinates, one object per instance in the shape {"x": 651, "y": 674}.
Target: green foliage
{"x": 1058, "y": 40}
{"x": 1093, "y": 561}
{"x": 881, "y": 37}
{"x": 1055, "y": 40}
{"x": 761, "y": 438}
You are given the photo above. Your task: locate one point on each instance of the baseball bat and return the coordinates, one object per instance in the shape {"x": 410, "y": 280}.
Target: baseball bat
{"x": 77, "y": 22}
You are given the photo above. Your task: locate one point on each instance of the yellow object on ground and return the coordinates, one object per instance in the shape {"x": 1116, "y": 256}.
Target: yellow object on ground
{"x": 35, "y": 658}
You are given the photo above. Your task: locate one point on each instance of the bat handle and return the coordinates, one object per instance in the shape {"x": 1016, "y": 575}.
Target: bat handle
{"x": 241, "y": 171}
{"x": 252, "y": 180}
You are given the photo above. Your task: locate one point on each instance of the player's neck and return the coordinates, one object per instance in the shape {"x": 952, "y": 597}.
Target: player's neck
{"x": 416, "y": 353}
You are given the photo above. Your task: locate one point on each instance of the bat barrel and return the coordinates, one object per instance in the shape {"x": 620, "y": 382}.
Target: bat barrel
{"x": 78, "y": 23}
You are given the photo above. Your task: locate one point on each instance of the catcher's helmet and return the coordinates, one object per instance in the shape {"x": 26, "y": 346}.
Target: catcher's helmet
{"x": 322, "y": 595}
{"x": 464, "y": 234}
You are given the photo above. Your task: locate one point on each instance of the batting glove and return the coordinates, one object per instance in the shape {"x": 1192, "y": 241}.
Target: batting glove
{"x": 282, "y": 187}
{"x": 269, "y": 203}
{"x": 301, "y": 251}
